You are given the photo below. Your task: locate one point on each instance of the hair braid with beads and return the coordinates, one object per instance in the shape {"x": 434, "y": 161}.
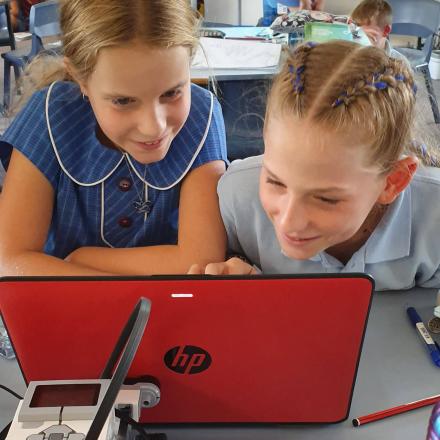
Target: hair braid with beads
{"x": 351, "y": 88}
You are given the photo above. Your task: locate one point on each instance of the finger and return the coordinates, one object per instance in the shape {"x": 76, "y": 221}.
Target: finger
{"x": 236, "y": 266}
{"x": 195, "y": 269}
{"x": 253, "y": 271}
{"x": 216, "y": 269}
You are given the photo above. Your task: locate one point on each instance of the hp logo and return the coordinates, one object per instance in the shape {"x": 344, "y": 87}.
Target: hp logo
{"x": 187, "y": 359}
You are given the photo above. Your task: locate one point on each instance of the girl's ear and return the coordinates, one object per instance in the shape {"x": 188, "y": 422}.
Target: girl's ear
{"x": 74, "y": 74}
{"x": 398, "y": 179}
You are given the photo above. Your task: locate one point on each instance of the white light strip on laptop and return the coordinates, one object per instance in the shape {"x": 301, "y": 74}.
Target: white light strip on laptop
{"x": 182, "y": 295}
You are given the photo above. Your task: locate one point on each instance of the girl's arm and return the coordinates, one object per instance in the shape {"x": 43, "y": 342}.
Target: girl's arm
{"x": 201, "y": 237}
{"x": 14, "y": 12}
{"x": 26, "y": 204}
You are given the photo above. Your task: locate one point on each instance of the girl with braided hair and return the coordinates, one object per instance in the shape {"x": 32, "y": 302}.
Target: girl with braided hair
{"x": 342, "y": 186}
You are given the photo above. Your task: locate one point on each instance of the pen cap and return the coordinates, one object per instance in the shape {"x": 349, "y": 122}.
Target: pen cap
{"x": 434, "y": 424}
{"x": 435, "y": 356}
{"x": 413, "y": 315}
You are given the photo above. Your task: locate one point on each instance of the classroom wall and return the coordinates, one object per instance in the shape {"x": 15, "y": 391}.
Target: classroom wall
{"x": 226, "y": 11}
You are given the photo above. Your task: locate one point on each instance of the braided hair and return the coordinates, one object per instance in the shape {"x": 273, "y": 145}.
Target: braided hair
{"x": 356, "y": 89}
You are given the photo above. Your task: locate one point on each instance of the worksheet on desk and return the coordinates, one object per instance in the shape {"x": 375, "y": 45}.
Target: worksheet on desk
{"x": 219, "y": 53}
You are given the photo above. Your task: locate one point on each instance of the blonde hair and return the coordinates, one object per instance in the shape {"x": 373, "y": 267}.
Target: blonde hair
{"x": 343, "y": 86}
{"x": 88, "y": 26}
{"x": 373, "y": 11}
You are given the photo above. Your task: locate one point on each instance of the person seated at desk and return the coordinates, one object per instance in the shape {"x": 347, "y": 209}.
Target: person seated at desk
{"x": 271, "y": 8}
{"x": 312, "y": 5}
{"x": 375, "y": 17}
{"x": 342, "y": 186}
{"x": 113, "y": 167}
{"x": 20, "y": 10}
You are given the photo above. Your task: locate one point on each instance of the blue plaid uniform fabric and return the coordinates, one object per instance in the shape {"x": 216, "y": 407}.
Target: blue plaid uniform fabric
{"x": 91, "y": 206}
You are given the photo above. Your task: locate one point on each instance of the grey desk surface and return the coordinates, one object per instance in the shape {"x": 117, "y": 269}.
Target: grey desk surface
{"x": 395, "y": 369}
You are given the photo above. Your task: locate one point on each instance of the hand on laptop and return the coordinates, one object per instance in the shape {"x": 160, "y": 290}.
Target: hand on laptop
{"x": 233, "y": 266}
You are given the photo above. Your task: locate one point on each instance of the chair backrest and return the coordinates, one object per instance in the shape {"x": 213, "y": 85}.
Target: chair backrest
{"x": 44, "y": 19}
{"x": 44, "y": 22}
{"x": 6, "y": 32}
{"x": 425, "y": 13}
{"x": 244, "y": 104}
{"x": 419, "y": 18}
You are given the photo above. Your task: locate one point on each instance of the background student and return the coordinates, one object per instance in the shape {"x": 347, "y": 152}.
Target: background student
{"x": 342, "y": 186}
{"x": 114, "y": 166}
{"x": 20, "y": 10}
{"x": 375, "y": 17}
{"x": 312, "y": 5}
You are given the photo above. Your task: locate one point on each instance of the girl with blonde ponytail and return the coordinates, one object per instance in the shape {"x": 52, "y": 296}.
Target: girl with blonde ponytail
{"x": 113, "y": 162}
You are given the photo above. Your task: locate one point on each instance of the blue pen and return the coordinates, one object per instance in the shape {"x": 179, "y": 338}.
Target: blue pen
{"x": 429, "y": 342}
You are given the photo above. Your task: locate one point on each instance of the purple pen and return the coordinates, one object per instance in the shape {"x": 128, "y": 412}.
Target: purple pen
{"x": 434, "y": 424}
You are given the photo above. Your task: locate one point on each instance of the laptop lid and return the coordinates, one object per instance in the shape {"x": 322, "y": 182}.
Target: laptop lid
{"x": 221, "y": 349}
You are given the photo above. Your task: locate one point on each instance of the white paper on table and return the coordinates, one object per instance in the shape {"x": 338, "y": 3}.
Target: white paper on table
{"x": 236, "y": 54}
{"x": 20, "y": 36}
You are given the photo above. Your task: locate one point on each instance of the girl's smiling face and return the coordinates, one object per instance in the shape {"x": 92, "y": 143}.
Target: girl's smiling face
{"x": 141, "y": 97}
{"x": 316, "y": 186}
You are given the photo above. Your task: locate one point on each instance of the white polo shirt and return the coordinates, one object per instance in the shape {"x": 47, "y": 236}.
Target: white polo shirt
{"x": 403, "y": 251}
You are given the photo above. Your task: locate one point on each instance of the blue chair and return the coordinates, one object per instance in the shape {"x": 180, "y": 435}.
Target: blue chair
{"x": 421, "y": 19}
{"x": 7, "y": 37}
{"x": 43, "y": 23}
{"x": 6, "y": 32}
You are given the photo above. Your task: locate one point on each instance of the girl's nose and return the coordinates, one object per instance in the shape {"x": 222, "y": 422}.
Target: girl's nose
{"x": 294, "y": 217}
{"x": 152, "y": 122}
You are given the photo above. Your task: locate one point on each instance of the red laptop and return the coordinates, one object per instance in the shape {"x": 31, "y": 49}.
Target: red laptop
{"x": 222, "y": 349}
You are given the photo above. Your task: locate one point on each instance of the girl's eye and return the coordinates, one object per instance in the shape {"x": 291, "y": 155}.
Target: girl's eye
{"x": 122, "y": 101}
{"x": 172, "y": 94}
{"x": 327, "y": 200}
{"x": 274, "y": 182}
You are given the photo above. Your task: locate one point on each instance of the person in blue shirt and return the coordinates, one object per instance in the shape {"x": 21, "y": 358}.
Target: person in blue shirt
{"x": 113, "y": 164}
{"x": 312, "y": 5}
{"x": 271, "y": 8}
{"x": 342, "y": 185}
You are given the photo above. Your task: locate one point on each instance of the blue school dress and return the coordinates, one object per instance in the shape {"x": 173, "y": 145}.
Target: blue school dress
{"x": 96, "y": 186}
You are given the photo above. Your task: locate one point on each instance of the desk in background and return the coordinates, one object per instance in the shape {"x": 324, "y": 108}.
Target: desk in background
{"x": 394, "y": 369}
{"x": 242, "y": 94}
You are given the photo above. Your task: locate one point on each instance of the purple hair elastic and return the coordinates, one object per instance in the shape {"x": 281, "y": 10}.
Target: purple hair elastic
{"x": 380, "y": 85}
{"x": 311, "y": 44}
{"x": 339, "y": 100}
